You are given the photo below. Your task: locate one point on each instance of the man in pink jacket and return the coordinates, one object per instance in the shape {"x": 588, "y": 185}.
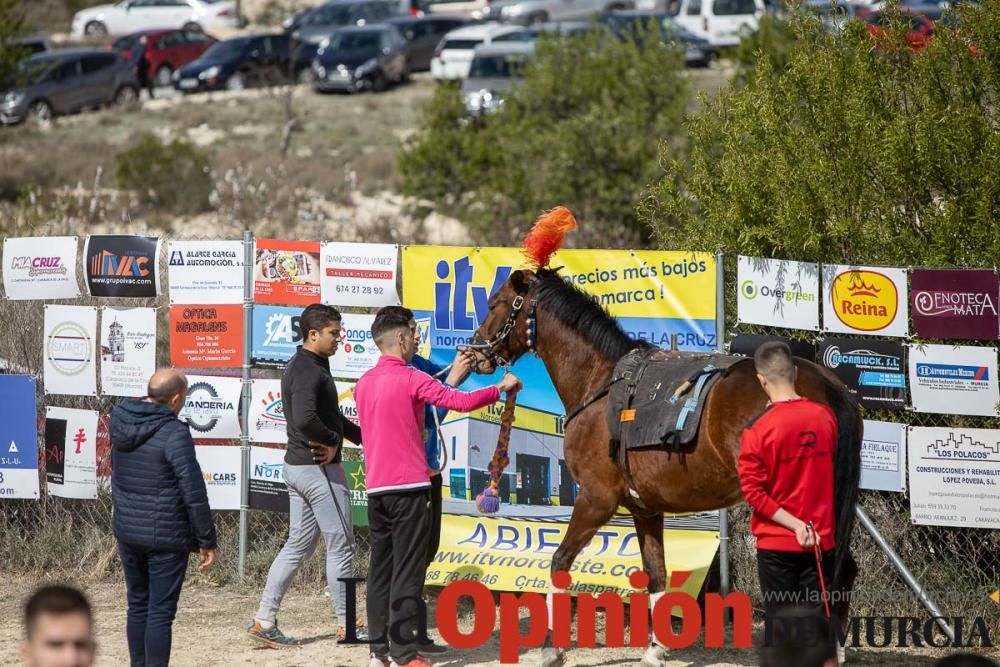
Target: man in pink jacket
{"x": 390, "y": 399}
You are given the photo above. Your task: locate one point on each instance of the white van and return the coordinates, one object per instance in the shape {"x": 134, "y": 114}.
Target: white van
{"x": 721, "y": 22}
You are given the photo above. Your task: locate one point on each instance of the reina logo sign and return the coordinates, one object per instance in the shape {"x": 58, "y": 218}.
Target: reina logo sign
{"x": 864, "y": 300}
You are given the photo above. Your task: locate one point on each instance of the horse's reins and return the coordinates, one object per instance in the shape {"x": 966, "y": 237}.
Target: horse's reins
{"x": 819, "y": 567}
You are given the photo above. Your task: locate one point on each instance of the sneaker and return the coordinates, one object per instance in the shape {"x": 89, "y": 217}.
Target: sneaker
{"x": 417, "y": 661}
{"x": 377, "y": 661}
{"x": 431, "y": 647}
{"x": 272, "y": 637}
{"x": 359, "y": 632}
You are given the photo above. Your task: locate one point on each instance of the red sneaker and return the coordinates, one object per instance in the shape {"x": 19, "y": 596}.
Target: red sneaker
{"x": 418, "y": 661}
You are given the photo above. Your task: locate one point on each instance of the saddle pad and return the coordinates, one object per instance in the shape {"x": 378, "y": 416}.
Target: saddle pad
{"x": 643, "y": 410}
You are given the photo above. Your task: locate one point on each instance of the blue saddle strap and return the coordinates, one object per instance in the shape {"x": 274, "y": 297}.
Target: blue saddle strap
{"x": 691, "y": 403}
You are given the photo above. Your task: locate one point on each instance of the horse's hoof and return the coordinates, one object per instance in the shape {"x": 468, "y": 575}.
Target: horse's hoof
{"x": 551, "y": 657}
{"x": 655, "y": 656}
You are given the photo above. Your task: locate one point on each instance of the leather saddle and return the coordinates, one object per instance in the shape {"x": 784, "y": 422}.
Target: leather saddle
{"x": 657, "y": 397}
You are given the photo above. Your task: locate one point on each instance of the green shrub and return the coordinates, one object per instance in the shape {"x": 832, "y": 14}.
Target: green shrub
{"x": 173, "y": 177}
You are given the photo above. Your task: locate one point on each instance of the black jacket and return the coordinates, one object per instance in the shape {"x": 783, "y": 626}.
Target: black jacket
{"x": 158, "y": 492}
{"x": 312, "y": 412}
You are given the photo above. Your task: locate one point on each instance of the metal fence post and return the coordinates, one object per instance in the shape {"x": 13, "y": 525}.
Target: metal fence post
{"x": 905, "y": 573}
{"x": 245, "y": 399}
{"x": 720, "y": 346}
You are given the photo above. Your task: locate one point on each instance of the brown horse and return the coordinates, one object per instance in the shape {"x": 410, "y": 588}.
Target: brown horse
{"x": 579, "y": 344}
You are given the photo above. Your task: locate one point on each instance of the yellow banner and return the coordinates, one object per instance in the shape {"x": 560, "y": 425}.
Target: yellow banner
{"x": 515, "y": 555}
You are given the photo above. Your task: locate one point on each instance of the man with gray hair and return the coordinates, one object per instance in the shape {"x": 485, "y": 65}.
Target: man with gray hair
{"x": 161, "y": 511}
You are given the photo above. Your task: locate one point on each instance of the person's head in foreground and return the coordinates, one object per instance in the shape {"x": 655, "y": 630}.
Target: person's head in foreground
{"x": 58, "y": 629}
{"x": 775, "y": 369}
{"x": 394, "y": 332}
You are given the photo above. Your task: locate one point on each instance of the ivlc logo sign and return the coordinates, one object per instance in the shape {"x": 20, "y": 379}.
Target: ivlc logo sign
{"x": 454, "y": 291}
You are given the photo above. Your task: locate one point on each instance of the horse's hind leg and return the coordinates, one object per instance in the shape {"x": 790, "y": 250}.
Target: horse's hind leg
{"x": 590, "y": 512}
{"x": 649, "y": 530}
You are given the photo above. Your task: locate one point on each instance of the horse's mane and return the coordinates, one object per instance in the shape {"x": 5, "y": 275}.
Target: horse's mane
{"x": 582, "y": 313}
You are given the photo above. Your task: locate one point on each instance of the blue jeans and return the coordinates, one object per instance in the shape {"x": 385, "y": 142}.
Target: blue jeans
{"x": 153, "y": 581}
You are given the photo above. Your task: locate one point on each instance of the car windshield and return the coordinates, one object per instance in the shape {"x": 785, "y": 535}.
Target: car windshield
{"x": 233, "y": 48}
{"x": 30, "y": 71}
{"x": 498, "y": 67}
{"x": 349, "y": 41}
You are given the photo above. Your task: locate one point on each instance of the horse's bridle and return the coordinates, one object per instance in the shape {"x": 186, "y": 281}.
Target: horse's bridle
{"x": 488, "y": 348}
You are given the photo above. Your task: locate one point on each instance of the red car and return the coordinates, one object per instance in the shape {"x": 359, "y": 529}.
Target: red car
{"x": 920, "y": 29}
{"x": 157, "y": 53}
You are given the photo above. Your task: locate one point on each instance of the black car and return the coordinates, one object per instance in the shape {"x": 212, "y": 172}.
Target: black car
{"x": 630, "y": 24}
{"x": 314, "y": 25}
{"x": 246, "y": 62}
{"x": 422, "y": 34}
{"x": 355, "y": 59}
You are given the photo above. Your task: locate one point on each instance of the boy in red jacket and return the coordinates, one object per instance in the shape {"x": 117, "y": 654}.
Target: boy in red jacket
{"x": 786, "y": 471}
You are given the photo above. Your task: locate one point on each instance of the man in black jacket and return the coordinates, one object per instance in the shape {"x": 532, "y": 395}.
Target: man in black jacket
{"x": 161, "y": 512}
{"x": 318, "y": 499}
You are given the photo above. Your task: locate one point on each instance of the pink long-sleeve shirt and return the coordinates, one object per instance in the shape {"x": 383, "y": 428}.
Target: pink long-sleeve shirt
{"x": 390, "y": 400}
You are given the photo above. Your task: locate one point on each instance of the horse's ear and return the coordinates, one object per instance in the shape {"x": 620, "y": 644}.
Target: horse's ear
{"x": 519, "y": 281}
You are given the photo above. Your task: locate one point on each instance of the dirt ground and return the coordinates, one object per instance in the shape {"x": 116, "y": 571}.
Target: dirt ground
{"x": 209, "y": 630}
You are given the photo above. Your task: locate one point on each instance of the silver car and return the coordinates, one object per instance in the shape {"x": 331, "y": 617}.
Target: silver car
{"x": 530, "y": 12}
{"x": 65, "y": 81}
{"x": 495, "y": 70}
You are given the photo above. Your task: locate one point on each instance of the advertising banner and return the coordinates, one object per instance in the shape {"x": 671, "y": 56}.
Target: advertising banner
{"x": 128, "y": 350}
{"x": 871, "y": 369}
{"x": 515, "y": 555}
{"x": 959, "y": 380}
{"x": 287, "y": 272}
{"x": 211, "y": 408}
{"x": 122, "y": 266}
{"x": 267, "y": 418}
{"x": 267, "y": 482}
{"x": 957, "y": 304}
{"x": 357, "y": 352}
{"x": 883, "y": 456}
{"x": 345, "y": 398}
{"x": 206, "y": 336}
{"x": 18, "y": 438}
{"x": 653, "y": 295}
{"x": 220, "y": 467}
{"x": 205, "y": 271}
{"x": 276, "y": 335}
{"x": 777, "y": 293}
{"x": 865, "y": 300}
{"x": 71, "y": 452}
{"x": 955, "y": 477}
{"x": 355, "y": 473}
{"x": 70, "y": 346}
{"x": 359, "y": 274}
{"x": 40, "y": 267}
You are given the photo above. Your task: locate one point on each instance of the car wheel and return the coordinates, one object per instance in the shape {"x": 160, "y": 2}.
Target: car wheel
{"x": 40, "y": 111}
{"x": 126, "y": 98}
{"x": 405, "y": 76}
{"x": 95, "y": 29}
{"x": 379, "y": 83}
{"x": 163, "y": 77}
{"x": 192, "y": 27}
{"x": 236, "y": 82}
{"x": 305, "y": 76}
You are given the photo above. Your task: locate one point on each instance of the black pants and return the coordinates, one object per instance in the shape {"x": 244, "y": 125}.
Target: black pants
{"x": 434, "y": 535}
{"x": 153, "y": 581}
{"x": 399, "y": 523}
{"x": 796, "y": 626}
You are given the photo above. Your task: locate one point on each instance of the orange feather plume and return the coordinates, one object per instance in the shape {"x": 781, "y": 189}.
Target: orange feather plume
{"x": 546, "y": 237}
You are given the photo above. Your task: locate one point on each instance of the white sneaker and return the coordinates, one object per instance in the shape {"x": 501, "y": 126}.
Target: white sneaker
{"x": 379, "y": 662}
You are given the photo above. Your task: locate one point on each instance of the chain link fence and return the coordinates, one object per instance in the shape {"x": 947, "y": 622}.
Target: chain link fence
{"x": 959, "y": 568}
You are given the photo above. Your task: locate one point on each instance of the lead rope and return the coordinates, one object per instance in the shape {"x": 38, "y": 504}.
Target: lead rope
{"x": 819, "y": 567}
{"x": 488, "y": 502}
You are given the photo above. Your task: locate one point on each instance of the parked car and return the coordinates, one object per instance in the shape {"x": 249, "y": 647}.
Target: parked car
{"x": 835, "y": 16}
{"x": 422, "y": 34}
{"x": 66, "y": 81}
{"x": 245, "y": 62}
{"x": 533, "y": 32}
{"x": 129, "y": 16}
{"x": 157, "y": 53}
{"x": 721, "y": 22}
{"x": 34, "y": 44}
{"x": 919, "y": 32}
{"x": 530, "y": 12}
{"x": 495, "y": 70}
{"x": 453, "y": 54}
{"x": 315, "y": 25}
{"x": 932, "y": 9}
{"x": 631, "y": 24}
{"x": 356, "y": 59}
{"x": 472, "y": 9}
